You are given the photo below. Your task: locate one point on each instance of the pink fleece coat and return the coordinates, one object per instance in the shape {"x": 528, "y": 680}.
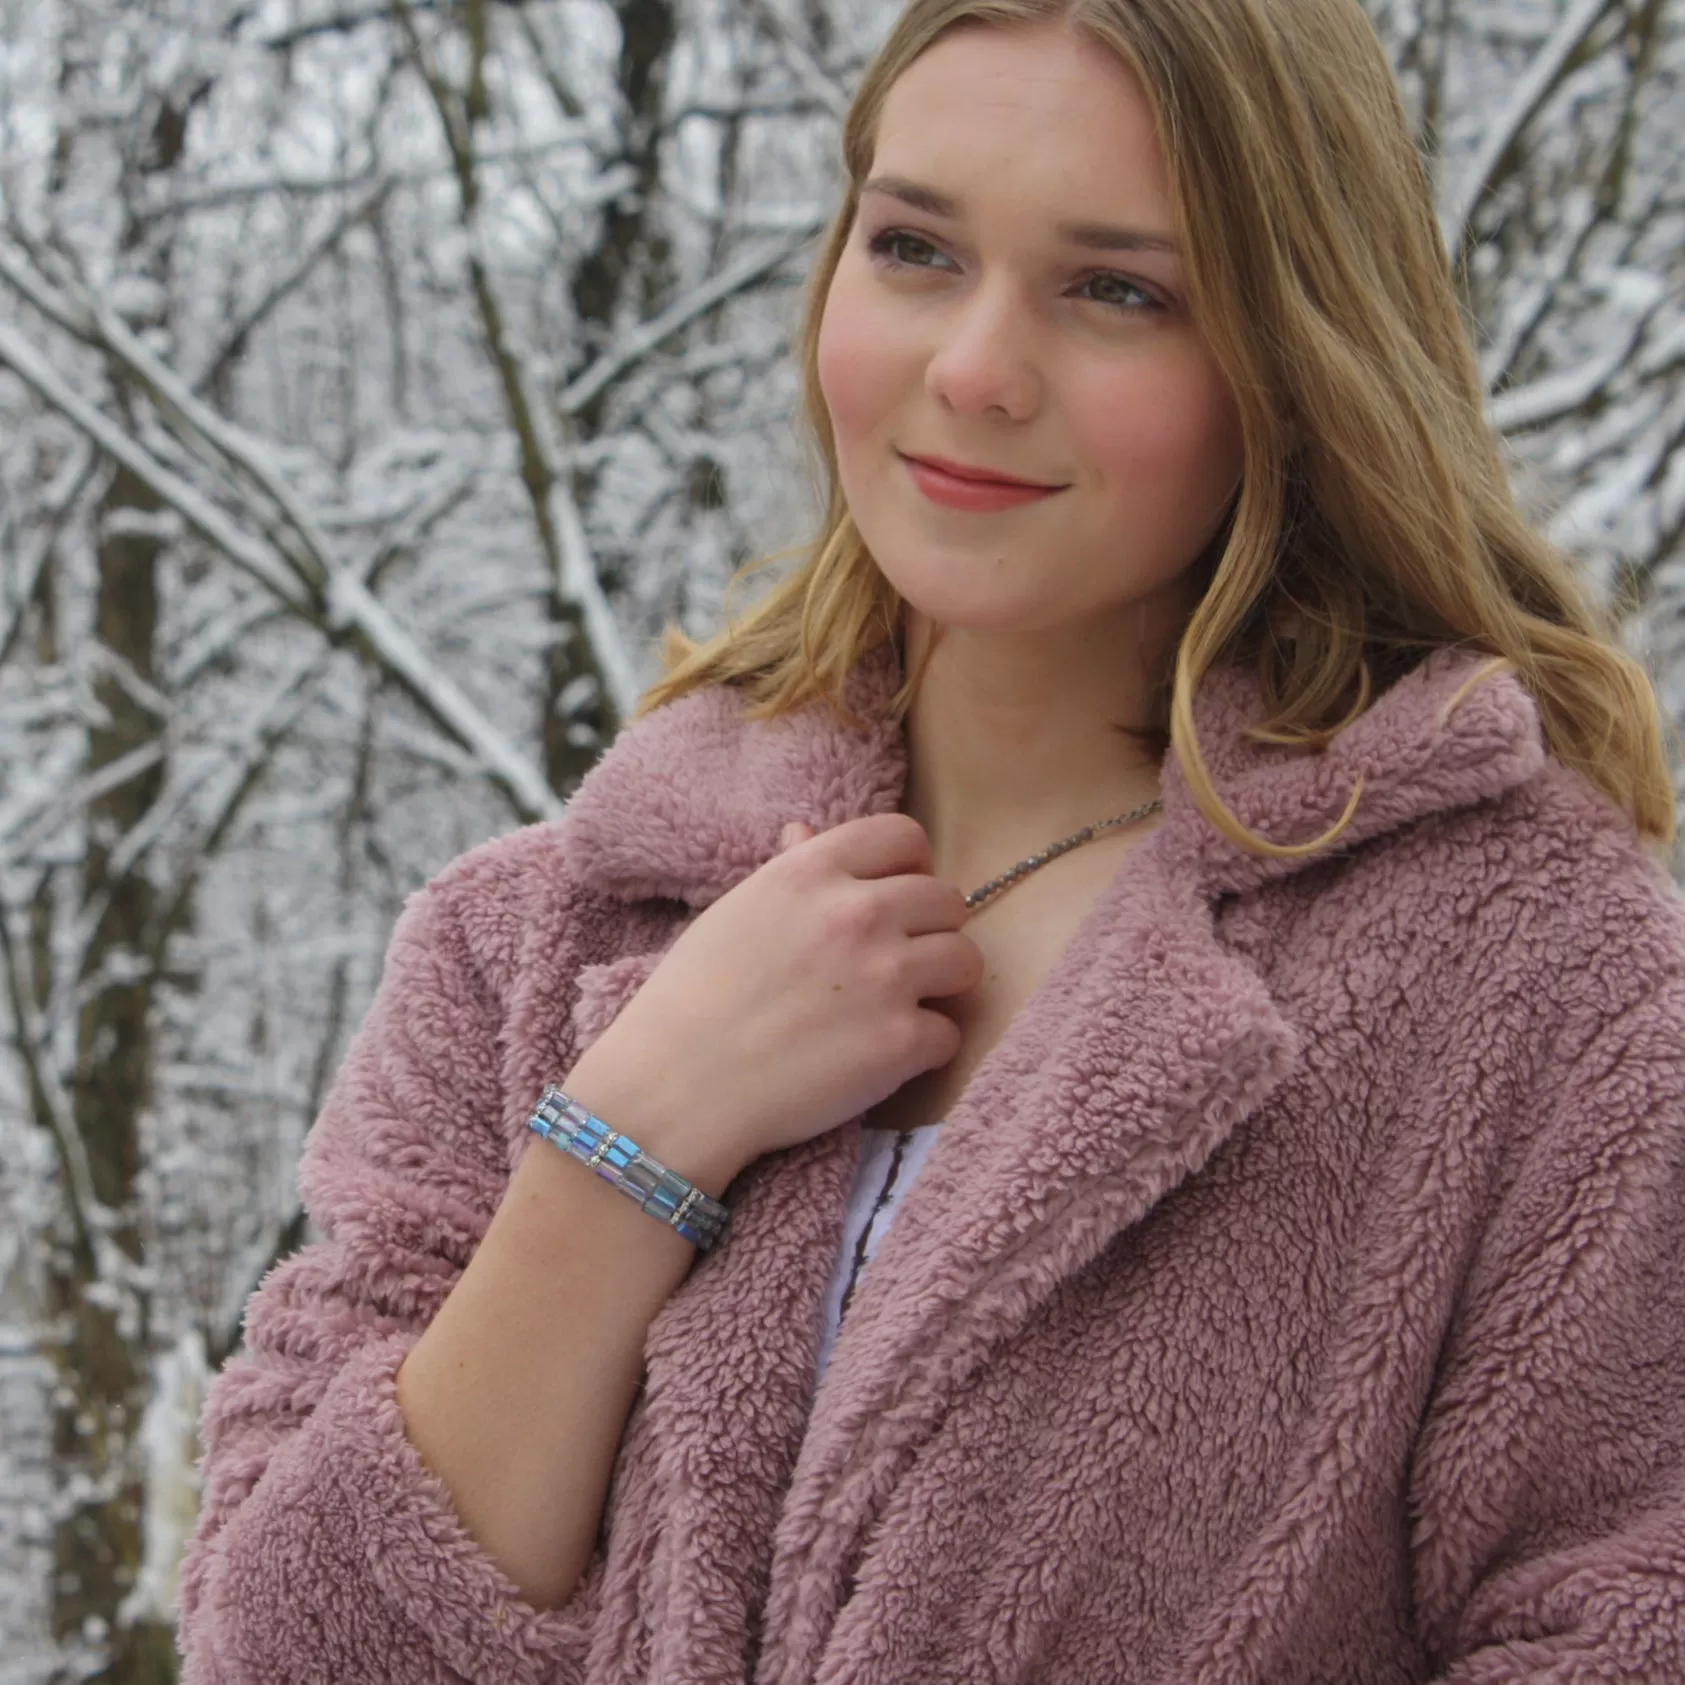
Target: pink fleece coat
{"x": 1296, "y": 1294}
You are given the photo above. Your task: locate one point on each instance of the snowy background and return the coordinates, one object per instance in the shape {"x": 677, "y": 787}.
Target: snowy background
{"x": 376, "y": 378}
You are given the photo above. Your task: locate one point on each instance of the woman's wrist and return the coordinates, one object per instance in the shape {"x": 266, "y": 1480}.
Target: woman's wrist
{"x": 669, "y": 1130}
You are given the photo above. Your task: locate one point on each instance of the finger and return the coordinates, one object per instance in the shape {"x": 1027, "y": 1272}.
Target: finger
{"x": 879, "y": 846}
{"x": 945, "y": 964}
{"x": 920, "y": 904}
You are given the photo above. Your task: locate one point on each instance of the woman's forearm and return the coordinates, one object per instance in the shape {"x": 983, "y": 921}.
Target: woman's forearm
{"x": 517, "y": 1394}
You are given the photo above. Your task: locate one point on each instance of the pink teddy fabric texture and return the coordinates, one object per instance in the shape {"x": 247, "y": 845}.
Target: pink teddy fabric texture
{"x": 1296, "y": 1293}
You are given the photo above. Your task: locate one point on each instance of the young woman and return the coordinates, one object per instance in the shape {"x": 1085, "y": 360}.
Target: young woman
{"x": 1150, "y": 936}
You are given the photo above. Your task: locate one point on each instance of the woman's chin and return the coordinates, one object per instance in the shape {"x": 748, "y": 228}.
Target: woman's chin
{"x": 977, "y": 614}
{"x": 974, "y": 594}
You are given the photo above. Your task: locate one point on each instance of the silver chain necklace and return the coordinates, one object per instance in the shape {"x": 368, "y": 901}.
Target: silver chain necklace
{"x": 1075, "y": 840}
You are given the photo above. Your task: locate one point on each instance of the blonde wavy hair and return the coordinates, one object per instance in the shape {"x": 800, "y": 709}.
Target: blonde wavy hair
{"x": 1375, "y": 520}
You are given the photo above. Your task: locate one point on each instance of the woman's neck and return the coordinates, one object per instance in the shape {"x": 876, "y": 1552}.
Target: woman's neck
{"x": 1012, "y": 744}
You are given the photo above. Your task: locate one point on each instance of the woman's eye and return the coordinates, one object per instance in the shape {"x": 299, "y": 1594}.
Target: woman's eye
{"x": 900, "y": 249}
{"x": 1120, "y": 291}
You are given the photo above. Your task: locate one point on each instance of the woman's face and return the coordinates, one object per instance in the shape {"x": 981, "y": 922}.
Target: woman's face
{"x": 1010, "y": 302}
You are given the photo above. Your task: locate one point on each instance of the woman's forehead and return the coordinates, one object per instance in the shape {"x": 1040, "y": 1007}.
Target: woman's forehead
{"x": 1042, "y": 118}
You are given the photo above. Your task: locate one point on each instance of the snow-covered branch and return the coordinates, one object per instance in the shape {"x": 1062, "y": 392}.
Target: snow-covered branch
{"x": 735, "y": 278}
{"x": 341, "y": 20}
{"x": 27, "y": 830}
{"x": 87, "y": 1216}
{"x": 251, "y": 556}
{"x": 1565, "y": 391}
{"x": 292, "y": 277}
{"x": 237, "y": 764}
{"x": 238, "y": 191}
{"x": 544, "y": 473}
{"x": 1524, "y": 104}
{"x": 796, "y": 54}
{"x": 333, "y": 597}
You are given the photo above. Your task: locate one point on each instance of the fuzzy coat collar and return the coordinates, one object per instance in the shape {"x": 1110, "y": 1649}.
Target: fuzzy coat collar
{"x": 690, "y": 799}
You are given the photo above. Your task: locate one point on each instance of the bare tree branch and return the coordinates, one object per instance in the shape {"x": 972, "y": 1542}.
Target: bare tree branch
{"x": 335, "y": 599}
{"x": 1565, "y": 391}
{"x": 735, "y": 279}
{"x": 794, "y": 50}
{"x": 88, "y": 1218}
{"x": 560, "y": 528}
{"x": 235, "y": 341}
{"x": 216, "y": 195}
{"x": 1531, "y": 92}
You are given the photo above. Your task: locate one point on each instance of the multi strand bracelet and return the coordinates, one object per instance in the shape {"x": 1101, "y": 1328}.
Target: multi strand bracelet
{"x": 622, "y": 1163}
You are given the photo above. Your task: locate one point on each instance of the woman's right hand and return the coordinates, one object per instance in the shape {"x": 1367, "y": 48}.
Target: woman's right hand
{"x": 794, "y": 1002}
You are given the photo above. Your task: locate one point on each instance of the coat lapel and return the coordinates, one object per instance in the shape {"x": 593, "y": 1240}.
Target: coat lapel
{"x": 1145, "y": 1046}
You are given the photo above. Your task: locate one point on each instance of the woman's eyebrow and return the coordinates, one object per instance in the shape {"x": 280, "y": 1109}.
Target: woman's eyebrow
{"x": 1091, "y": 236}
{"x": 913, "y": 193}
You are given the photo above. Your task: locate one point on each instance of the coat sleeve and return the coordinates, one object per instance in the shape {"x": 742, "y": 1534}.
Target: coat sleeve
{"x": 1548, "y": 1490}
{"x": 325, "y": 1549}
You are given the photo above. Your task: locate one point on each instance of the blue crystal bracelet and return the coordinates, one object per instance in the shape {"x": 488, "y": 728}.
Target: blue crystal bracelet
{"x": 663, "y": 1193}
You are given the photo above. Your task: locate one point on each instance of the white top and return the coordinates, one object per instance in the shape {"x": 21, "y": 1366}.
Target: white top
{"x": 889, "y": 1160}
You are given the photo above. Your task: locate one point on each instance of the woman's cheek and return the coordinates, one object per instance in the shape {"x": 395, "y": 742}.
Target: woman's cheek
{"x": 854, "y": 355}
{"x": 1173, "y": 432}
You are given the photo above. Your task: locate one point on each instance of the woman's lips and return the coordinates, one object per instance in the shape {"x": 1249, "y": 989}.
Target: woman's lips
{"x": 978, "y": 496}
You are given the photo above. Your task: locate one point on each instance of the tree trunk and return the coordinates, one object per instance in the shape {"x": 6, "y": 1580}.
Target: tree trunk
{"x": 629, "y": 250}
{"x": 102, "y": 1359}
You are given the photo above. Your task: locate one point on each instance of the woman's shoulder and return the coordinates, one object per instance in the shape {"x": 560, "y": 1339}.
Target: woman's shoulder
{"x": 498, "y": 900}
{"x": 1541, "y": 906}
{"x": 1557, "y": 846}
{"x": 505, "y": 870}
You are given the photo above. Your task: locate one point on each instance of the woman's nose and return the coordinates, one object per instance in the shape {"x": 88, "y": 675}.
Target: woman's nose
{"x": 984, "y": 360}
